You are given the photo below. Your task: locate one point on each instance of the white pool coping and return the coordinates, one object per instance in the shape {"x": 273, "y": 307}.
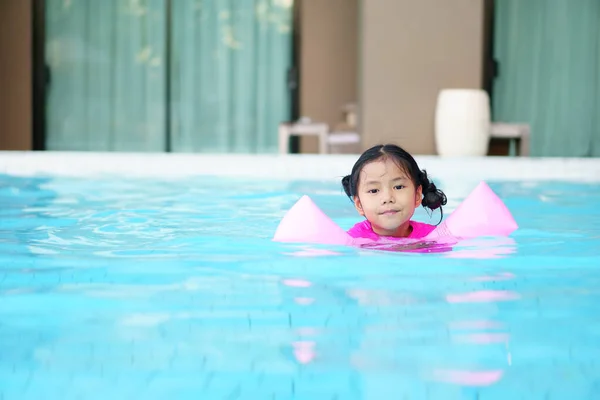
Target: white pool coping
{"x": 286, "y": 167}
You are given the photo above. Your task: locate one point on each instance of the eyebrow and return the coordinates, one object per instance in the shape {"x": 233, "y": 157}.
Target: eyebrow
{"x": 400, "y": 178}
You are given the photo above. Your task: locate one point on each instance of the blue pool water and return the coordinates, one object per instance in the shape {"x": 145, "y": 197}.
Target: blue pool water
{"x": 132, "y": 288}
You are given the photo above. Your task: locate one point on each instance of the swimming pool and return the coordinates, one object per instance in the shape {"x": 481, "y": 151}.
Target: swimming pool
{"x": 166, "y": 284}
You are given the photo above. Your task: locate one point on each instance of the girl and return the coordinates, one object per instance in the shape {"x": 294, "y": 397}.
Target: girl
{"x": 386, "y": 185}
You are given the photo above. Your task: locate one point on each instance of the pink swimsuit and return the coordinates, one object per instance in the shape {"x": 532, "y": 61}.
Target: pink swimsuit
{"x": 363, "y": 230}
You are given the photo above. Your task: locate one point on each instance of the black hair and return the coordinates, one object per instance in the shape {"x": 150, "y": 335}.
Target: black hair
{"x": 433, "y": 198}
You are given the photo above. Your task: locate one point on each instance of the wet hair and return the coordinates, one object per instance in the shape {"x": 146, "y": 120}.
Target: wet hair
{"x": 433, "y": 198}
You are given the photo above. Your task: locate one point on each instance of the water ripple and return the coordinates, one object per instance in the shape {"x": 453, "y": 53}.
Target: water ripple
{"x": 147, "y": 288}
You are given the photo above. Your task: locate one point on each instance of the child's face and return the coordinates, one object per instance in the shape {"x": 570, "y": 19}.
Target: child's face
{"x": 387, "y": 197}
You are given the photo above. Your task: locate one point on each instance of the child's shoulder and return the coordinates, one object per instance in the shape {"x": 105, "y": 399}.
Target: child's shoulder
{"x": 420, "y": 229}
{"x": 362, "y": 230}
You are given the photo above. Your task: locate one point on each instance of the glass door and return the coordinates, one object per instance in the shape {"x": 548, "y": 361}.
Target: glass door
{"x": 229, "y": 67}
{"x": 167, "y": 75}
{"x": 106, "y": 65}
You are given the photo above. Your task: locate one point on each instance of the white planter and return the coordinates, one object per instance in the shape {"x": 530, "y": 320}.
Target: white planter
{"x": 462, "y": 122}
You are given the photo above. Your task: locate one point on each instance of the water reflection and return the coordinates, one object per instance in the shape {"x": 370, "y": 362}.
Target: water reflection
{"x": 481, "y": 248}
{"x": 385, "y": 331}
{"x": 482, "y": 296}
{"x": 468, "y": 378}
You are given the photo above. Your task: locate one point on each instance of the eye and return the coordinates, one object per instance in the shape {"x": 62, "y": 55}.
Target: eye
{"x": 399, "y": 187}
{"x": 372, "y": 191}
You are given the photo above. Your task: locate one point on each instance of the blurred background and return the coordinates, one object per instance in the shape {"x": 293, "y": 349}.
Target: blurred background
{"x": 458, "y": 77}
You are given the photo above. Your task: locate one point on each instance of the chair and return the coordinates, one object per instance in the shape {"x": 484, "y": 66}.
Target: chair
{"x": 518, "y": 136}
{"x": 328, "y": 141}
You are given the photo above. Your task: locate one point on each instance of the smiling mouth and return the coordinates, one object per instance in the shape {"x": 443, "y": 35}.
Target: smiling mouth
{"x": 389, "y": 212}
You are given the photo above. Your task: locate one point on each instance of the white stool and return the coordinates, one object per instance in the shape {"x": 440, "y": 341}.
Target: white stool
{"x": 516, "y": 134}
{"x": 343, "y": 142}
{"x": 319, "y": 129}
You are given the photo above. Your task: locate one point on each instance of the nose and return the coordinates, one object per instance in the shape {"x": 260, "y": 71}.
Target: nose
{"x": 387, "y": 197}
